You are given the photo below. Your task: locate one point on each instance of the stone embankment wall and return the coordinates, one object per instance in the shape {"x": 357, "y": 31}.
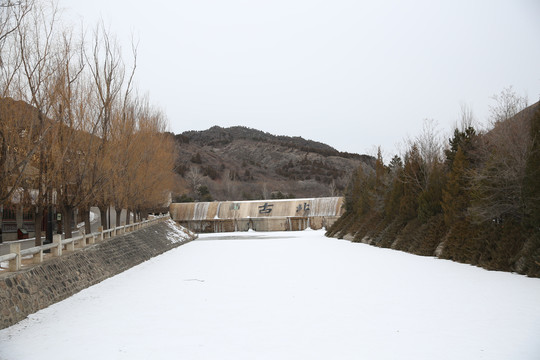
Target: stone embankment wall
{"x": 34, "y": 288}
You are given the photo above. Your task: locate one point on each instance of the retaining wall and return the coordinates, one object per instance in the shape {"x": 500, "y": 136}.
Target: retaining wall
{"x": 33, "y": 288}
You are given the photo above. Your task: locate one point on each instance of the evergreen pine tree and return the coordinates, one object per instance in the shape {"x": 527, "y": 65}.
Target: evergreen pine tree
{"x": 380, "y": 170}
{"x": 429, "y": 201}
{"x": 393, "y": 196}
{"x": 359, "y": 191}
{"x": 461, "y": 139}
{"x": 353, "y": 191}
{"x": 381, "y": 174}
{"x": 531, "y": 181}
{"x": 413, "y": 183}
{"x": 455, "y": 198}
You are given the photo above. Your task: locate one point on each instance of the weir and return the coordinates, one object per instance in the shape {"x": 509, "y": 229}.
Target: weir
{"x": 259, "y": 215}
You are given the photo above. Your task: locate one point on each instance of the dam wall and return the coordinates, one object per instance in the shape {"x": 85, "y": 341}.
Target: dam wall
{"x": 259, "y": 215}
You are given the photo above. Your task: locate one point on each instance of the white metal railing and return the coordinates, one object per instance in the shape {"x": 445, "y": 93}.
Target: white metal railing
{"x": 15, "y": 255}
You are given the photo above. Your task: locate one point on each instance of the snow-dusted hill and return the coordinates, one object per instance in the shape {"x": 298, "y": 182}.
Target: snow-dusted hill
{"x": 293, "y": 295}
{"x": 250, "y": 158}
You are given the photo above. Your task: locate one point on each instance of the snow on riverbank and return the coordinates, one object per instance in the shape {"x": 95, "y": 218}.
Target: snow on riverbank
{"x": 288, "y": 295}
{"x": 179, "y": 234}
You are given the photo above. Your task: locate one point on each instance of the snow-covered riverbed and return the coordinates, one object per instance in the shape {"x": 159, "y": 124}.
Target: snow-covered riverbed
{"x": 288, "y": 295}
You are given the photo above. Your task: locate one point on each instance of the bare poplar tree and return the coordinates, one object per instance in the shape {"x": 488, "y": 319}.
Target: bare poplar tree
{"x": 12, "y": 14}
{"x": 425, "y": 151}
{"x": 507, "y": 104}
{"x": 36, "y": 37}
{"x": 194, "y": 178}
{"x": 497, "y": 183}
{"x": 123, "y": 127}
{"x": 151, "y": 174}
{"x": 107, "y": 70}
{"x": 12, "y": 166}
{"x": 70, "y": 160}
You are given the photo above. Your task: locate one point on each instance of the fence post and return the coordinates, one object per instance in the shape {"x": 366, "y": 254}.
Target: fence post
{"x": 70, "y": 246}
{"x": 81, "y": 243}
{"x": 100, "y": 230}
{"x": 92, "y": 239}
{"x": 15, "y": 264}
{"x": 57, "y": 239}
{"x": 38, "y": 257}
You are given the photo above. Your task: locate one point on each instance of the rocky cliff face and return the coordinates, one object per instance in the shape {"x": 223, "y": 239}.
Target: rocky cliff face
{"x": 239, "y": 163}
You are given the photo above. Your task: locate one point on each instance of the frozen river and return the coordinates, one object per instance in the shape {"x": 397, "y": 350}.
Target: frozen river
{"x": 288, "y": 295}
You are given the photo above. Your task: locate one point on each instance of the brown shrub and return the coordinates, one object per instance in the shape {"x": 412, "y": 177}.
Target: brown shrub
{"x": 366, "y": 226}
{"x": 459, "y": 246}
{"x": 388, "y": 235}
{"x": 529, "y": 257}
{"x": 503, "y": 246}
{"x": 428, "y": 236}
{"x": 407, "y": 236}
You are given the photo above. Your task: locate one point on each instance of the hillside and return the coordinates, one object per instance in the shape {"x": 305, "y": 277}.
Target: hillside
{"x": 480, "y": 204}
{"x": 240, "y": 163}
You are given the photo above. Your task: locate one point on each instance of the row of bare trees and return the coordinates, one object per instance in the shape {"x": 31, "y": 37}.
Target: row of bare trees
{"x": 74, "y": 133}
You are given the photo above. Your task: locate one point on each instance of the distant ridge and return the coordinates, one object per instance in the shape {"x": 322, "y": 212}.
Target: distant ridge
{"x": 217, "y": 135}
{"x": 240, "y": 163}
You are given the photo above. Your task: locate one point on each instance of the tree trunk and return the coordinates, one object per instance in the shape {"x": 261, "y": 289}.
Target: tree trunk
{"x": 118, "y": 214}
{"x": 68, "y": 221}
{"x": 85, "y": 216}
{"x": 38, "y": 222}
{"x": 103, "y": 217}
{"x": 1, "y": 220}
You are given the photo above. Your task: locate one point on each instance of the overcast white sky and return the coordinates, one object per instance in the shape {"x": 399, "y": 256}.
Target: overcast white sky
{"x": 352, "y": 74}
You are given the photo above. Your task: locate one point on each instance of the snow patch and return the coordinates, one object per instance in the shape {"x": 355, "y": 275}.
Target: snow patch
{"x": 178, "y": 234}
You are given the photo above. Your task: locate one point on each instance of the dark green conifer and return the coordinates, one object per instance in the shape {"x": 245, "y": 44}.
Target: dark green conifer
{"x": 455, "y": 197}
{"x": 393, "y": 196}
{"x": 357, "y": 197}
{"x": 429, "y": 201}
{"x": 413, "y": 183}
{"x": 461, "y": 139}
{"x": 531, "y": 181}
{"x": 380, "y": 187}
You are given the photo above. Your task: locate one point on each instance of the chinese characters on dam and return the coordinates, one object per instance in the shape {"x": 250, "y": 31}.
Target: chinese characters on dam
{"x": 299, "y": 207}
{"x": 266, "y": 208}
